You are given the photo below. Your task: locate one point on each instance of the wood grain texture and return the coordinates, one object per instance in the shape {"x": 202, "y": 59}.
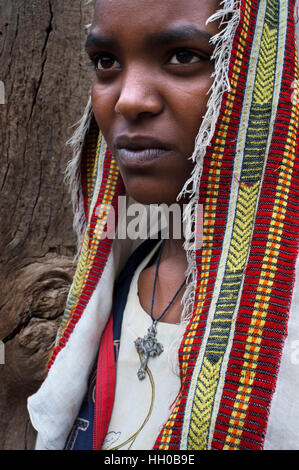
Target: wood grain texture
{"x": 47, "y": 81}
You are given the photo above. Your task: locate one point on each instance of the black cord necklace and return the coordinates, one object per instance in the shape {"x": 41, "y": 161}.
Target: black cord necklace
{"x": 148, "y": 346}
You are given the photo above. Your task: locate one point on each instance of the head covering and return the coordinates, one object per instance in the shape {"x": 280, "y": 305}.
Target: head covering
{"x": 240, "y": 282}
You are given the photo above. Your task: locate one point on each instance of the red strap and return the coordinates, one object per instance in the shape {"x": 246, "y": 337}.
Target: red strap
{"x": 105, "y": 386}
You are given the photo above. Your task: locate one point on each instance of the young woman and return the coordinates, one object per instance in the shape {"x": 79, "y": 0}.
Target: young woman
{"x": 167, "y": 344}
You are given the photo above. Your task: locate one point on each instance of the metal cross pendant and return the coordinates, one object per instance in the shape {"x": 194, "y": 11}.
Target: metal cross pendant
{"x": 147, "y": 347}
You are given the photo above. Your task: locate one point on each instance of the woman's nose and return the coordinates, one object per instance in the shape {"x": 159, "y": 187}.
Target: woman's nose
{"x": 138, "y": 96}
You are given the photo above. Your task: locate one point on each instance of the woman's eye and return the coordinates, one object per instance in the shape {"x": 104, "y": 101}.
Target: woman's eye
{"x": 184, "y": 57}
{"x": 106, "y": 62}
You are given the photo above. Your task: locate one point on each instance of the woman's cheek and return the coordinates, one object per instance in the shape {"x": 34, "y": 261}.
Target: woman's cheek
{"x": 102, "y": 104}
{"x": 192, "y": 97}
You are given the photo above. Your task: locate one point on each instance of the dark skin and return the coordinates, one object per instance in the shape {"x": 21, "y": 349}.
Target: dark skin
{"x": 152, "y": 75}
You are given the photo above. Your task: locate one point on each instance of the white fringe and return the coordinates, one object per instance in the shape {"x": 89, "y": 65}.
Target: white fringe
{"x": 223, "y": 42}
{"x": 73, "y": 174}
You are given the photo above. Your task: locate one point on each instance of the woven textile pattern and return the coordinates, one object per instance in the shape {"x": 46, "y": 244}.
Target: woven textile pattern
{"x": 231, "y": 350}
{"x": 230, "y": 353}
{"x": 101, "y": 186}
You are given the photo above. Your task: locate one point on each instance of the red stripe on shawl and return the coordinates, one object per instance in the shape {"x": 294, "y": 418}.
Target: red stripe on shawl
{"x": 105, "y": 386}
{"x": 98, "y": 259}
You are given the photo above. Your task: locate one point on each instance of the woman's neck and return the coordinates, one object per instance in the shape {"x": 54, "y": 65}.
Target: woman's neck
{"x": 173, "y": 247}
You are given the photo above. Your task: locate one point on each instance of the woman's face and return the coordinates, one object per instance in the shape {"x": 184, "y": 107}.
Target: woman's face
{"x": 153, "y": 72}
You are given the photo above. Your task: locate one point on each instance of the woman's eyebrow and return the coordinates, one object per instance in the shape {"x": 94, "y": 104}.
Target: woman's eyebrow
{"x": 182, "y": 33}
{"x": 98, "y": 41}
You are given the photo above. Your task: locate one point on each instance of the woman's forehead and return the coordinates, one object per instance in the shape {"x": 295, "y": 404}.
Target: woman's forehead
{"x": 111, "y": 15}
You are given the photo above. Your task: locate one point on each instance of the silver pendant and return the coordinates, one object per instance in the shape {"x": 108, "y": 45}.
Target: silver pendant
{"x": 147, "y": 347}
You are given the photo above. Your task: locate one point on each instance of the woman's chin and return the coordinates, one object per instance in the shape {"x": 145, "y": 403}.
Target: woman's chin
{"x": 145, "y": 196}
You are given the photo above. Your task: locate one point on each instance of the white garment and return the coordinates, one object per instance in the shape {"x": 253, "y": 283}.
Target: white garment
{"x": 283, "y": 424}
{"x": 136, "y": 400}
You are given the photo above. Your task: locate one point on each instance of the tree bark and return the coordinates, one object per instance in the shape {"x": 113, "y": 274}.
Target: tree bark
{"x": 47, "y": 82}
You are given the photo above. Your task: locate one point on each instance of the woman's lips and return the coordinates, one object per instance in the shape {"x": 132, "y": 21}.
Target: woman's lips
{"x": 133, "y": 158}
{"x": 140, "y": 151}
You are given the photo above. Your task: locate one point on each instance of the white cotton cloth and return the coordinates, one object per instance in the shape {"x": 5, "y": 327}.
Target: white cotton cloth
{"x": 136, "y": 400}
{"x": 55, "y": 406}
{"x": 283, "y": 424}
